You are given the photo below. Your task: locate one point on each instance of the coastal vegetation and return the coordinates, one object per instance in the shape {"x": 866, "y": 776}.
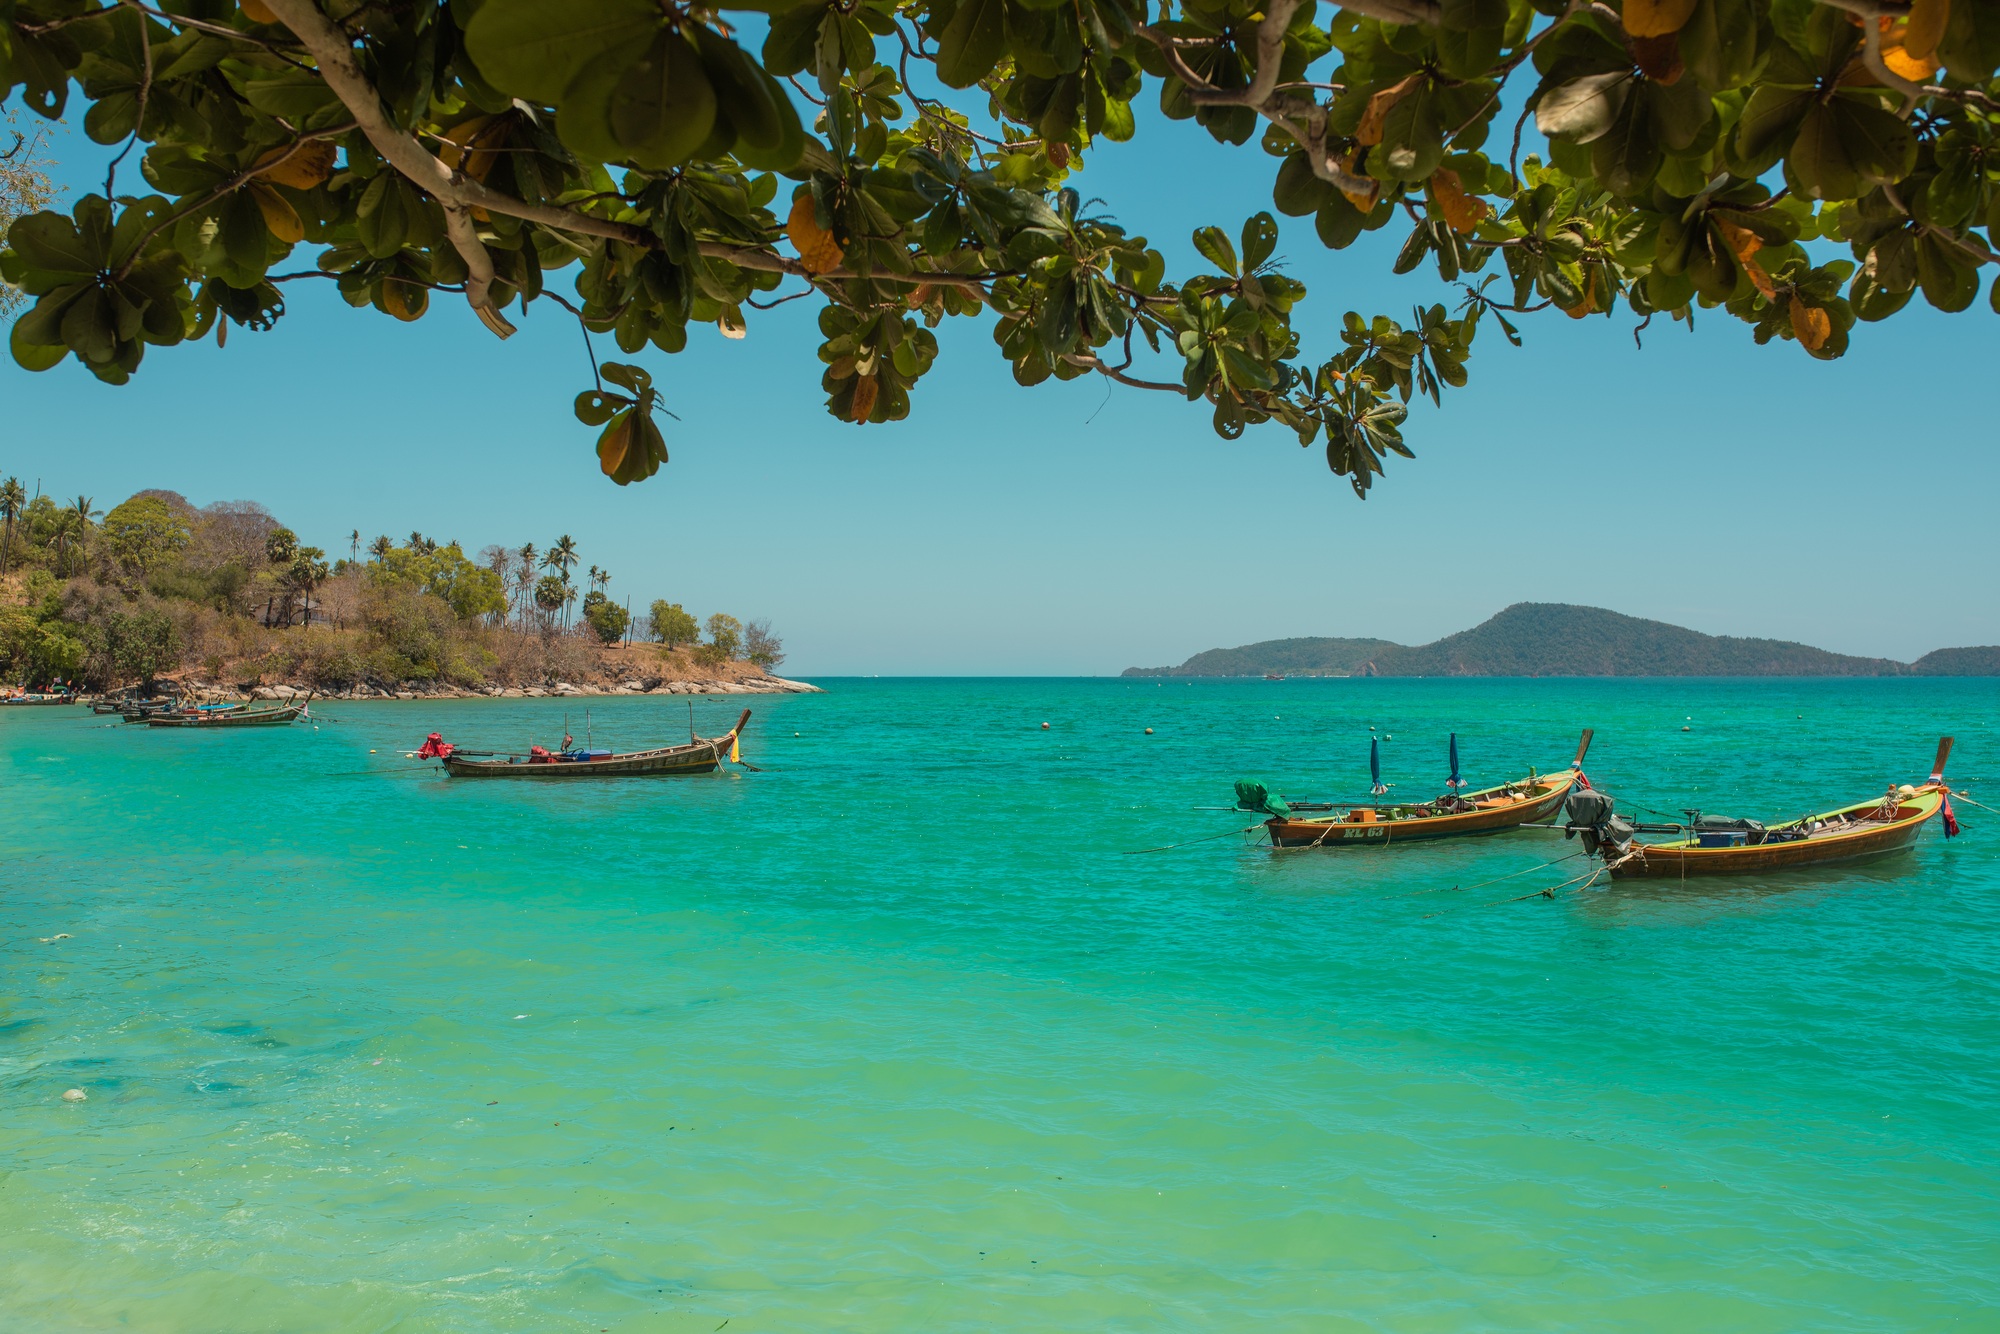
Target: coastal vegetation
{"x": 155, "y": 586}
{"x": 1795, "y": 165}
{"x": 1554, "y": 639}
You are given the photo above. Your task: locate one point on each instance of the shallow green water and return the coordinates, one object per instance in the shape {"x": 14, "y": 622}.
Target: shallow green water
{"x": 895, "y": 1036}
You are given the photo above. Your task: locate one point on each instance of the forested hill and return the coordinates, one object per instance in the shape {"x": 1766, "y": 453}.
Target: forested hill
{"x": 1555, "y": 639}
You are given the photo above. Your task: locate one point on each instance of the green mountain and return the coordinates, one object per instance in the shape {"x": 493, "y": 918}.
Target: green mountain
{"x": 1555, "y": 639}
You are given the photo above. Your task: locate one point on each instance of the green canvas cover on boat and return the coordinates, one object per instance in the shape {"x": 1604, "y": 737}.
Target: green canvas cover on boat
{"x": 1252, "y": 795}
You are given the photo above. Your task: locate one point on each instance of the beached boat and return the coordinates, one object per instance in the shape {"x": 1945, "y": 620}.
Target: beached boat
{"x": 139, "y": 711}
{"x": 698, "y": 756}
{"x": 232, "y": 716}
{"x": 1707, "y": 845}
{"x": 1485, "y": 811}
{"x": 36, "y": 697}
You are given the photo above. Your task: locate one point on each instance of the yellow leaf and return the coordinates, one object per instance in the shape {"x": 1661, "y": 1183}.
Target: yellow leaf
{"x": 730, "y": 322}
{"x": 1464, "y": 212}
{"x": 279, "y": 216}
{"x": 1379, "y": 107}
{"x": 1898, "y": 60}
{"x": 403, "y": 299}
{"x": 479, "y": 162}
{"x": 818, "y": 251}
{"x": 1363, "y": 200}
{"x": 613, "y": 445}
{"x": 1656, "y": 18}
{"x": 1926, "y": 28}
{"x": 1744, "y": 244}
{"x": 255, "y": 11}
{"x": 1812, "y": 325}
{"x": 864, "y": 399}
{"x": 301, "y": 169}
{"x": 1587, "y": 306}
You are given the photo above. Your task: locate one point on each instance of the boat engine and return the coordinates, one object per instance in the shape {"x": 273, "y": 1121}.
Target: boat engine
{"x": 1593, "y": 814}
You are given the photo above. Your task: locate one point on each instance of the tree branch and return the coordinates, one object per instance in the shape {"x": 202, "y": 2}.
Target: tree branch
{"x": 1871, "y": 56}
{"x": 1089, "y": 362}
{"x": 1397, "y": 11}
{"x": 334, "y": 54}
{"x": 1871, "y": 9}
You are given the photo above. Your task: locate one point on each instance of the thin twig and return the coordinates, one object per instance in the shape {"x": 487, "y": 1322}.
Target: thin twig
{"x": 145, "y": 91}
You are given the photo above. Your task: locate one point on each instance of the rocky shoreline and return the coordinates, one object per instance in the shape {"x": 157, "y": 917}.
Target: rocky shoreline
{"x": 650, "y": 685}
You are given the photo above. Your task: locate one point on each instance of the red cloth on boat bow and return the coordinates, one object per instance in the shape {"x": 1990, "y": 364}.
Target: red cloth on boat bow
{"x": 435, "y": 747}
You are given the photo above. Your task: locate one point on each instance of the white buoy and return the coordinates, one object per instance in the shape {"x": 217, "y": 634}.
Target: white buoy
{"x": 1149, "y": 731}
{"x": 74, "y": 1095}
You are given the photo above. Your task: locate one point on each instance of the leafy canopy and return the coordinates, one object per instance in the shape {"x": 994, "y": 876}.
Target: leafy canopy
{"x": 1701, "y": 154}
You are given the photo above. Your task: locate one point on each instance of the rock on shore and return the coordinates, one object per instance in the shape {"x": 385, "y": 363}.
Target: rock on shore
{"x": 651, "y": 685}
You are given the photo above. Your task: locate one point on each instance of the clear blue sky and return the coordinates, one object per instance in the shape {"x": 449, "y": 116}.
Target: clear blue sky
{"x": 1084, "y": 528}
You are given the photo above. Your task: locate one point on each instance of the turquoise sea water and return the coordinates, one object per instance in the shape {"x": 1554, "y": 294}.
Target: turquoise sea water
{"x": 895, "y": 1036}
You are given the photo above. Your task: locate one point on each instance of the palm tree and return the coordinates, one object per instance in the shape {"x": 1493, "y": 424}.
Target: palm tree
{"x": 64, "y": 530}
{"x": 381, "y": 547}
{"x": 12, "y": 501}
{"x": 354, "y": 547}
{"x": 560, "y": 558}
{"x": 78, "y": 517}
{"x": 524, "y": 578}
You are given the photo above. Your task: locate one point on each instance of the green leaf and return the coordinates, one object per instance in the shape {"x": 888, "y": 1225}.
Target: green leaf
{"x": 662, "y": 106}
{"x": 1260, "y": 239}
{"x": 1583, "y": 109}
{"x": 535, "y": 50}
{"x": 972, "y": 43}
{"x": 1844, "y": 147}
{"x": 1215, "y": 248}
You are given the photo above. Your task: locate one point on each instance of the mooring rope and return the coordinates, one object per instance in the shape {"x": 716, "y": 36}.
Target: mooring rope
{"x": 1588, "y": 877}
{"x": 1970, "y": 802}
{"x": 1498, "y": 878}
{"x": 1191, "y": 842}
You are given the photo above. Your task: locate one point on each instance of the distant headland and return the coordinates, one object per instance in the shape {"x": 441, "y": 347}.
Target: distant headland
{"x": 1555, "y": 639}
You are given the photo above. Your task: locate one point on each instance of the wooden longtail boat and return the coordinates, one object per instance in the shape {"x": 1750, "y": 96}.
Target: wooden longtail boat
{"x": 1486, "y": 811}
{"x": 146, "y": 710}
{"x": 33, "y": 699}
{"x": 699, "y": 756}
{"x": 1865, "y": 829}
{"x": 228, "y": 717}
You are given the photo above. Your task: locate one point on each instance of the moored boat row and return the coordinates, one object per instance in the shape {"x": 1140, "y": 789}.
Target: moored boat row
{"x": 1703, "y": 845}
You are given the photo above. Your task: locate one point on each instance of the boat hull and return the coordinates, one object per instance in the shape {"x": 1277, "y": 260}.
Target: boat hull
{"x": 1654, "y": 861}
{"x": 1297, "y": 833}
{"x": 260, "y": 718}
{"x": 668, "y": 762}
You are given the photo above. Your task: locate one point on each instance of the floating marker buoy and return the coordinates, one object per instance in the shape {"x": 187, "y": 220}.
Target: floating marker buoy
{"x": 1149, "y": 731}
{"x": 1687, "y": 729}
{"x": 1389, "y": 737}
{"x": 74, "y": 1095}
{"x": 1045, "y": 727}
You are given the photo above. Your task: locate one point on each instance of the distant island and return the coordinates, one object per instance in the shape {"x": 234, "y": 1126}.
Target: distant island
{"x": 1555, "y": 639}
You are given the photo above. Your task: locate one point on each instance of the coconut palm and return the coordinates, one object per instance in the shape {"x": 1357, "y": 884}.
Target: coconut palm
{"x": 560, "y": 558}
{"x": 72, "y": 533}
{"x": 524, "y": 578}
{"x": 381, "y": 547}
{"x": 65, "y": 534}
{"x": 354, "y": 547}
{"x": 13, "y": 499}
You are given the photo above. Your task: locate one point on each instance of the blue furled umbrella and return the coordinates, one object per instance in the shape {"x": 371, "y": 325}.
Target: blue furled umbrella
{"x": 1454, "y": 782}
{"x": 1375, "y": 767}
